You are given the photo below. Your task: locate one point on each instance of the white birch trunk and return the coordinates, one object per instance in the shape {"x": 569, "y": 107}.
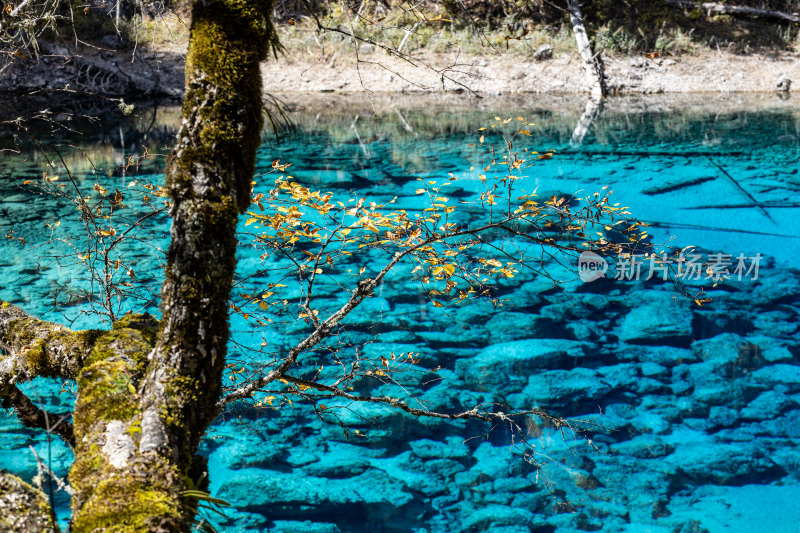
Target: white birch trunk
{"x": 592, "y": 63}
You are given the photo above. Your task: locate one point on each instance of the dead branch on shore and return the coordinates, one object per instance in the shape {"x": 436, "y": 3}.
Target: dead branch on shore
{"x": 719, "y": 9}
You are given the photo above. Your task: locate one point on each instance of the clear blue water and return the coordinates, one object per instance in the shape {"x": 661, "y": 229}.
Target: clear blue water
{"x": 700, "y": 405}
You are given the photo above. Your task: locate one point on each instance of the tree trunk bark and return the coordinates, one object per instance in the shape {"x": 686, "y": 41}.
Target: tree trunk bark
{"x": 592, "y": 63}
{"x": 147, "y": 391}
{"x": 23, "y": 508}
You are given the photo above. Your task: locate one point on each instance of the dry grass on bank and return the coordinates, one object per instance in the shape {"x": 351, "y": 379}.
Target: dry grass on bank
{"x": 413, "y": 31}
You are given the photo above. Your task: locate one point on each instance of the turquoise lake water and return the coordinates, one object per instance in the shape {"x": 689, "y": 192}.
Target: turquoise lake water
{"x": 700, "y": 405}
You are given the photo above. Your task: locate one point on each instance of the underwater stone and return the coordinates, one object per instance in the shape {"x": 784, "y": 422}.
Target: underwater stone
{"x": 780, "y": 374}
{"x": 653, "y": 370}
{"x": 453, "y": 447}
{"x": 660, "y": 320}
{"x": 419, "y": 476}
{"x": 771, "y": 349}
{"x": 622, "y": 376}
{"x": 650, "y": 422}
{"x": 584, "y": 330}
{"x": 288, "y": 495}
{"x": 337, "y": 466}
{"x": 513, "y": 326}
{"x": 713, "y": 390}
{"x": 509, "y": 529}
{"x": 562, "y": 389}
{"x": 512, "y": 484}
{"x": 768, "y": 405}
{"x": 286, "y": 526}
{"x": 700, "y": 463}
{"x": 787, "y": 456}
{"x": 646, "y": 386}
{"x": 775, "y": 285}
{"x": 248, "y": 451}
{"x": 536, "y": 502}
{"x": 786, "y": 425}
{"x": 506, "y": 366}
{"x": 499, "y": 515}
{"x": 498, "y": 462}
{"x": 454, "y": 336}
{"x": 714, "y": 322}
{"x": 776, "y": 322}
{"x": 723, "y": 416}
{"x": 301, "y": 456}
{"x": 646, "y": 446}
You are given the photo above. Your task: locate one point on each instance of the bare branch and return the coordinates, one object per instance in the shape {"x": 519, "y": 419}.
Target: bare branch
{"x": 473, "y": 414}
{"x": 32, "y": 416}
{"x": 394, "y": 51}
{"x": 359, "y": 294}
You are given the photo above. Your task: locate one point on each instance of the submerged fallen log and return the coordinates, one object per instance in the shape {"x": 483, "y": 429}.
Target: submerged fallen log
{"x": 655, "y": 153}
{"x": 676, "y": 186}
{"x": 673, "y": 226}
{"x": 738, "y": 185}
{"x": 761, "y": 205}
{"x": 721, "y": 9}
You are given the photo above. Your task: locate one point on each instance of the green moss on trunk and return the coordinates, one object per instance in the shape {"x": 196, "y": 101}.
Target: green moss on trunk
{"x": 140, "y": 413}
{"x": 131, "y": 493}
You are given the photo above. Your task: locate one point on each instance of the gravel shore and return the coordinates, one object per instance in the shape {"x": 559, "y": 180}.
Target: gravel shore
{"x": 486, "y": 75}
{"x": 710, "y": 71}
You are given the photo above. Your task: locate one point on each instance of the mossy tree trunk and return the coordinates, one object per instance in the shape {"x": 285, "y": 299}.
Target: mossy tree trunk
{"x": 147, "y": 391}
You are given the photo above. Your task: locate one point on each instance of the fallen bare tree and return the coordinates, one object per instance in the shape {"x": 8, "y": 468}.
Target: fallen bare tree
{"x": 713, "y": 8}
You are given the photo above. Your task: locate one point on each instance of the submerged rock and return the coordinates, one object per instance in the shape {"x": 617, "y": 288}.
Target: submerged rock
{"x": 453, "y": 447}
{"x": 564, "y": 389}
{"x": 507, "y": 365}
{"x": 768, "y": 405}
{"x": 700, "y": 463}
{"x": 277, "y": 494}
{"x": 658, "y": 318}
{"x": 286, "y": 526}
{"x": 489, "y": 518}
{"x": 729, "y": 355}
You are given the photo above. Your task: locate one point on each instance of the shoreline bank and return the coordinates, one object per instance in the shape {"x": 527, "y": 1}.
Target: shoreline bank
{"x": 706, "y": 72}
